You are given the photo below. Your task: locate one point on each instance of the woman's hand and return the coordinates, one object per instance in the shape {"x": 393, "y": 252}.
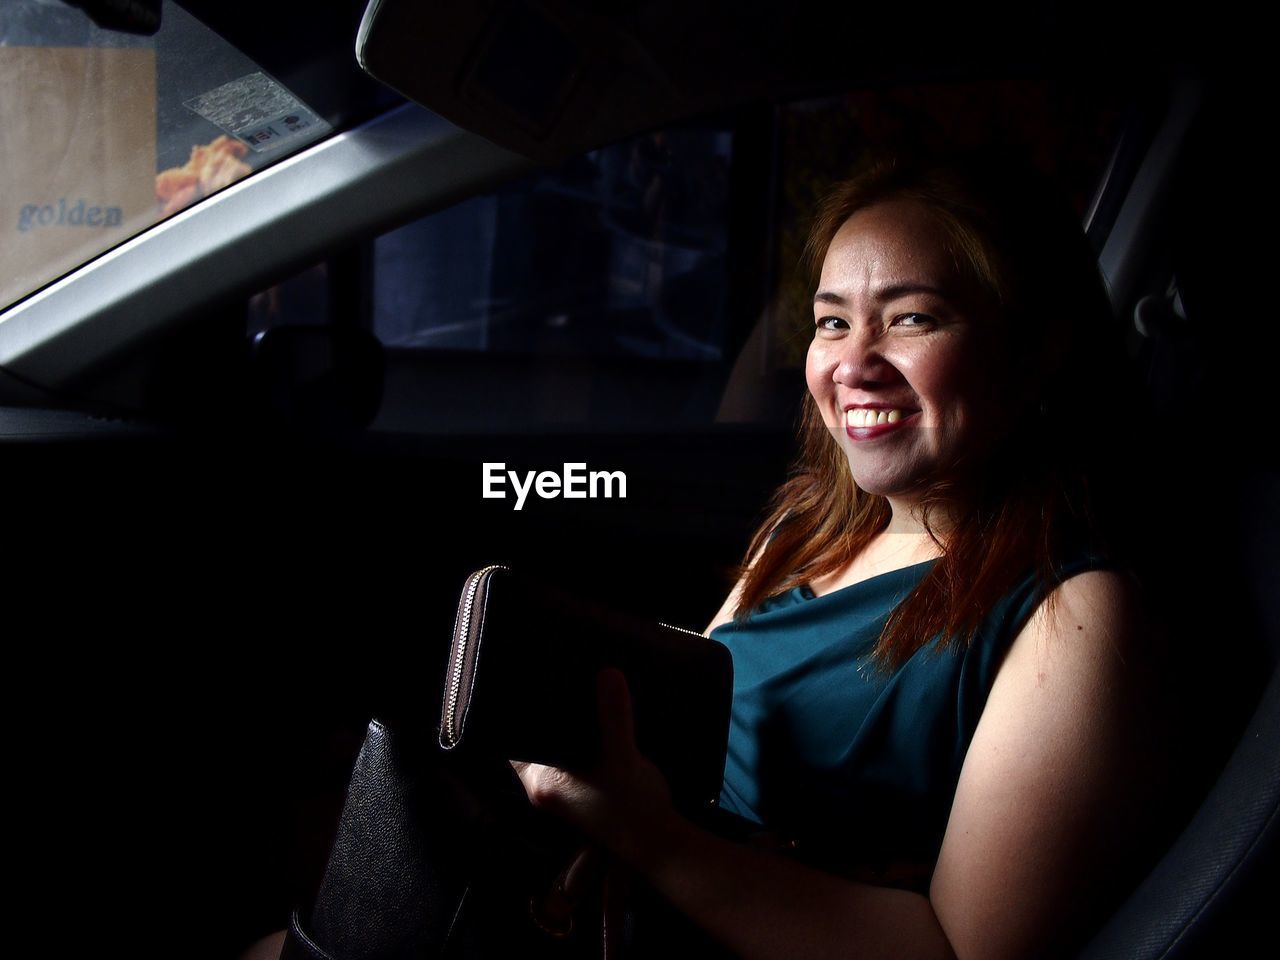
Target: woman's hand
{"x": 624, "y": 803}
{"x": 760, "y": 905}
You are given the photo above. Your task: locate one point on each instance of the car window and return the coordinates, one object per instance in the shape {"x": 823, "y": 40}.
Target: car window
{"x": 107, "y": 133}
{"x": 620, "y": 253}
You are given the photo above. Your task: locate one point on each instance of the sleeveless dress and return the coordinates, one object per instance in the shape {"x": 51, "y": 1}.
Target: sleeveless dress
{"x": 859, "y": 766}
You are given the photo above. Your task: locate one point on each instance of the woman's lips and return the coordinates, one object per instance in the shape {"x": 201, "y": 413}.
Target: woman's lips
{"x": 874, "y": 431}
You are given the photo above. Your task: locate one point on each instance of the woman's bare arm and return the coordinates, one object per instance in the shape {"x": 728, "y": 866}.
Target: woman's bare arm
{"x": 1062, "y": 769}
{"x": 1050, "y": 773}
{"x": 268, "y": 948}
{"x": 761, "y": 905}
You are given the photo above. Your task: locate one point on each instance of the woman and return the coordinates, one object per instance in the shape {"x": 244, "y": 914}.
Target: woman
{"x": 978, "y": 795}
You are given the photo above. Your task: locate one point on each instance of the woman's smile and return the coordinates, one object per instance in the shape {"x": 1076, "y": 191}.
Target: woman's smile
{"x": 868, "y": 423}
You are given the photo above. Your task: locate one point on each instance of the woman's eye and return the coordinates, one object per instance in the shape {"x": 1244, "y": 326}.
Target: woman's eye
{"x": 830, "y": 323}
{"x": 912, "y": 320}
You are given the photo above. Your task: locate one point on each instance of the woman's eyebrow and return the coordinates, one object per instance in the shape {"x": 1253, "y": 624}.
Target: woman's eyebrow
{"x": 891, "y": 292}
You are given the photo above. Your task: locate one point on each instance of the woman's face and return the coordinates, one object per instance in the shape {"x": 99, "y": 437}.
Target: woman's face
{"x": 901, "y": 371}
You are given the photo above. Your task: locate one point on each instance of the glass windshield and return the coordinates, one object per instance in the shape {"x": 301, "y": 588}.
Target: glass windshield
{"x": 107, "y": 133}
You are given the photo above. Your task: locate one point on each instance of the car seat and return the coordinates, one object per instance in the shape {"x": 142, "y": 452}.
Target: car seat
{"x": 1209, "y": 894}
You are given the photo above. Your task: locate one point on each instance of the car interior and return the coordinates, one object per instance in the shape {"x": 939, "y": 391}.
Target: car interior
{"x": 243, "y": 445}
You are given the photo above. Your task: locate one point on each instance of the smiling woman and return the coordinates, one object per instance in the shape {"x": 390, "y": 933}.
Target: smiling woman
{"x": 945, "y": 688}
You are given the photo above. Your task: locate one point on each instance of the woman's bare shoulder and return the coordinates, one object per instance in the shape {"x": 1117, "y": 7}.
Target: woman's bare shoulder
{"x": 1058, "y": 774}
{"x": 725, "y": 613}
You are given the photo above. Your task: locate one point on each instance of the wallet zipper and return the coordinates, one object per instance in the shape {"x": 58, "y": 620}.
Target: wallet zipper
{"x": 462, "y": 646}
{"x": 671, "y": 626}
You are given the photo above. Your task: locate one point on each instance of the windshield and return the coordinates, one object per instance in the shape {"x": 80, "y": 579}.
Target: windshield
{"x": 107, "y": 133}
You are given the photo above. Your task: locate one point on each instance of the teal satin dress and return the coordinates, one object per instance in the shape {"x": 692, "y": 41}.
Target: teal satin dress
{"x": 857, "y": 765}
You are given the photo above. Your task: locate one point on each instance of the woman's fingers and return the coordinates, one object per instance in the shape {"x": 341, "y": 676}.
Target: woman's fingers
{"x": 553, "y": 911}
{"x": 542, "y": 784}
{"x": 578, "y": 877}
{"x": 617, "y": 718}
{"x": 617, "y": 726}
{"x": 621, "y": 802}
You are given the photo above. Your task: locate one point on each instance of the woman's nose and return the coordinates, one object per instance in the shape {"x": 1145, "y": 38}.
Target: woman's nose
{"x": 861, "y": 361}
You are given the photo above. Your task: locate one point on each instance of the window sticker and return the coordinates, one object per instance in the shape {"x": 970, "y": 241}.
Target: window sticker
{"x": 77, "y": 152}
{"x": 258, "y": 112}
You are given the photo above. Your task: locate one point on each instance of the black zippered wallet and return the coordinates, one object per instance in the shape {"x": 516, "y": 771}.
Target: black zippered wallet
{"x": 520, "y": 683}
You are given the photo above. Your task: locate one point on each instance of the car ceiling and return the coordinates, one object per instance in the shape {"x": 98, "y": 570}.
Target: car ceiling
{"x": 555, "y": 77}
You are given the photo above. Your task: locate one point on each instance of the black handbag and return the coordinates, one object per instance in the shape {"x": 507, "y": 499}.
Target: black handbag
{"x": 438, "y": 852}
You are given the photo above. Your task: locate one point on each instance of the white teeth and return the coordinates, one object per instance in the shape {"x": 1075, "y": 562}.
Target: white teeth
{"x": 869, "y": 418}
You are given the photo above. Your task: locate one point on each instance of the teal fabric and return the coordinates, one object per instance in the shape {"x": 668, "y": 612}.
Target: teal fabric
{"x": 859, "y": 765}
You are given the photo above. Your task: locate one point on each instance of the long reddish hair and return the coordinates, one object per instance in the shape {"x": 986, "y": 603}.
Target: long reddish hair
{"x": 1047, "y": 487}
